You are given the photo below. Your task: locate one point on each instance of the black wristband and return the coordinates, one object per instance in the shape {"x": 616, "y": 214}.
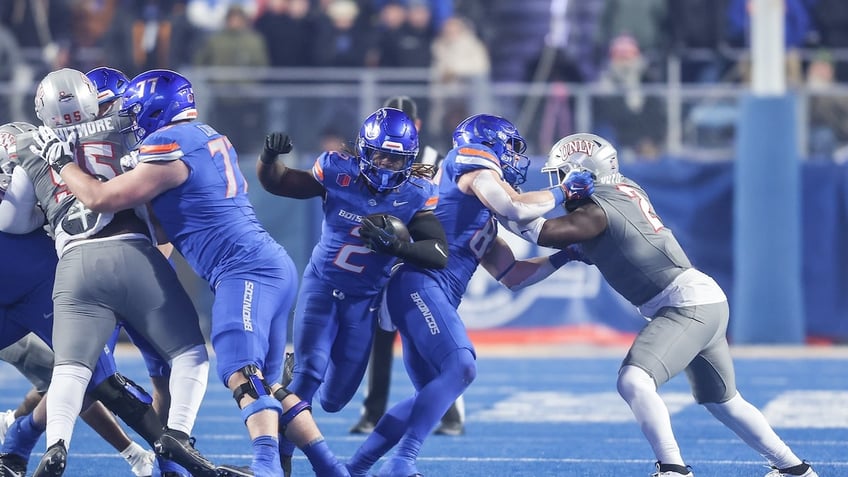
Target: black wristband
{"x": 267, "y": 157}
{"x": 60, "y": 163}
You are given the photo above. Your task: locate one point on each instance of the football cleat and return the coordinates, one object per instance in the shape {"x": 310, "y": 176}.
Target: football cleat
{"x": 450, "y": 428}
{"x": 234, "y": 471}
{"x": 53, "y": 462}
{"x": 802, "y": 470}
{"x": 12, "y": 465}
{"x": 661, "y": 472}
{"x": 364, "y": 426}
{"x": 179, "y": 447}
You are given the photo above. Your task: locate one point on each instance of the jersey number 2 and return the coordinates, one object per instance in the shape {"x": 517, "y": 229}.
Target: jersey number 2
{"x": 644, "y": 206}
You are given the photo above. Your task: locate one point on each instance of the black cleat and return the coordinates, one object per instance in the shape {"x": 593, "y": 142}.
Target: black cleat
{"x": 12, "y": 465}
{"x": 233, "y": 471}
{"x": 179, "y": 447}
{"x": 450, "y": 428}
{"x": 364, "y": 426}
{"x": 53, "y": 462}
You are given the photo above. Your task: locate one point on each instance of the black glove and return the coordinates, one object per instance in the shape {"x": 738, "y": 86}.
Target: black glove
{"x": 380, "y": 239}
{"x": 275, "y": 144}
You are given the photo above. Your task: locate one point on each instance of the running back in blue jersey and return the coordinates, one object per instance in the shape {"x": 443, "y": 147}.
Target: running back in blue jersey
{"x": 208, "y": 218}
{"x": 468, "y": 223}
{"x": 340, "y": 258}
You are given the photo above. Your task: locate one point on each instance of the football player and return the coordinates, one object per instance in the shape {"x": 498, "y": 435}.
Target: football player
{"x": 111, "y": 85}
{"x": 26, "y": 308}
{"x": 687, "y": 311}
{"x": 476, "y": 181}
{"x": 189, "y": 174}
{"x": 108, "y": 268}
{"x": 340, "y": 289}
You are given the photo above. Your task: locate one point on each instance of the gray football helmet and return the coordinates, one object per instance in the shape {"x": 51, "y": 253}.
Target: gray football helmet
{"x": 66, "y": 97}
{"x": 582, "y": 151}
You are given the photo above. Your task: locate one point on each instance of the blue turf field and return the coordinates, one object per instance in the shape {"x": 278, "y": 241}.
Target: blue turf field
{"x": 548, "y": 417}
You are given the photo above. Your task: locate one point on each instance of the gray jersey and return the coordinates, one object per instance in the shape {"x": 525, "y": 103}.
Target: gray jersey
{"x": 100, "y": 152}
{"x": 638, "y": 256}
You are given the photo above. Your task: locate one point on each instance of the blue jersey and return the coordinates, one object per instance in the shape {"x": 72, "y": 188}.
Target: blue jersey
{"x": 209, "y": 218}
{"x": 469, "y": 225}
{"x": 340, "y": 259}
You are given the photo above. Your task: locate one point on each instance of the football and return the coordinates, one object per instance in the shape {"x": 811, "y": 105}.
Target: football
{"x": 382, "y": 220}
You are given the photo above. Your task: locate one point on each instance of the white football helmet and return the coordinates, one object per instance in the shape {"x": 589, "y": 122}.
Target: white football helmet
{"x": 66, "y": 97}
{"x": 582, "y": 151}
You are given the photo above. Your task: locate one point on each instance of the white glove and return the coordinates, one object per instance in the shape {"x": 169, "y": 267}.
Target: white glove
{"x": 57, "y": 152}
{"x": 129, "y": 161}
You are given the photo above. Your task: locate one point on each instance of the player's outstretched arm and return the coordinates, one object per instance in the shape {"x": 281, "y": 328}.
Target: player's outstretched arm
{"x": 514, "y": 274}
{"x": 279, "y": 179}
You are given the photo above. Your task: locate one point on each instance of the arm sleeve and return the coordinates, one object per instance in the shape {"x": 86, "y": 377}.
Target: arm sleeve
{"x": 523, "y": 207}
{"x": 429, "y": 248}
{"x": 529, "y": 231}
{"x": 19, "y": 211}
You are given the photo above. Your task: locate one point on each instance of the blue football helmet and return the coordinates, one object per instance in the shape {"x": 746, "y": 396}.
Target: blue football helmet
{"x": 502, "y": 138}
{"x": 155, "y": 99}
{"x": 387, "y": 147}
{"x": 111, "y": 83}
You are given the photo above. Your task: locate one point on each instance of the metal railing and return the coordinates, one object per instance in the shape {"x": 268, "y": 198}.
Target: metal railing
{"x": 697, "y": 119}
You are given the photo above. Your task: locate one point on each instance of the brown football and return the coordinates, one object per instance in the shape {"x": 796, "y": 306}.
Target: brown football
{"x": 399, "y": 227}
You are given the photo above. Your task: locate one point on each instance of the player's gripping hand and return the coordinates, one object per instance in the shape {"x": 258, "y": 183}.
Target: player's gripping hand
{"x": 572, "y": 253}
{"x": 276, "y": 143}
{"x": 57, "y": 152}
{"x": 129, "y": 161}
{"x": 578, "y": 185}
{"x": 380, "y": 239}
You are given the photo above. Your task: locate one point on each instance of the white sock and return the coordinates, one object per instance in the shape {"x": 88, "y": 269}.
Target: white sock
{"x": 640, "y": 392}
{"x": 751, "y": 426}
{"x": 64, "y": 401}
{"x": 189, "y": 375}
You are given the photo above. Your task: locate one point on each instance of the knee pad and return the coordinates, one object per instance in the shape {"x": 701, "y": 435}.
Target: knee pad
{"x": 255, "y": 386}
{"x": 122, "y": 396}
{"x": 261, "y": 404}
{"x": 131, "y": 403}
{"x": 293, "y": 411}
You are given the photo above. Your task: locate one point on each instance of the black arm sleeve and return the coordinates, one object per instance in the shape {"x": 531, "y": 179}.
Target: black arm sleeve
{"x": 429, "y": 248}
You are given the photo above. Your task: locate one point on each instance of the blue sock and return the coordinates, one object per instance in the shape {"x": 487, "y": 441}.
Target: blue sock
{"x": 321, "y": 457}
{"x": 287, "y": 447}
{"x": 166, "y": 465}
{"x": 266, "y": 457}
{"x": 389, "y": 430}
{"x": 22, "y": 436}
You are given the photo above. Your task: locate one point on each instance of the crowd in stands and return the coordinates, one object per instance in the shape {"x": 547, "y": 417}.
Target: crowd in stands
{"x": 619, "y": 45}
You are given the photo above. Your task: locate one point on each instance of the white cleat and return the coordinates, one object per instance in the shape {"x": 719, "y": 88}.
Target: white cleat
{"x": 671, "y": 473}
{"x": 808, "y": 473}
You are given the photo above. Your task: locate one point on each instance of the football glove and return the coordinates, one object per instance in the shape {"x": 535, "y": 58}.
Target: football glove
{"x": 275, "y": 144}
{"x": 578, "y": 185}
{"x": 380, "y": 239}
{"x": 57, "y": 152}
